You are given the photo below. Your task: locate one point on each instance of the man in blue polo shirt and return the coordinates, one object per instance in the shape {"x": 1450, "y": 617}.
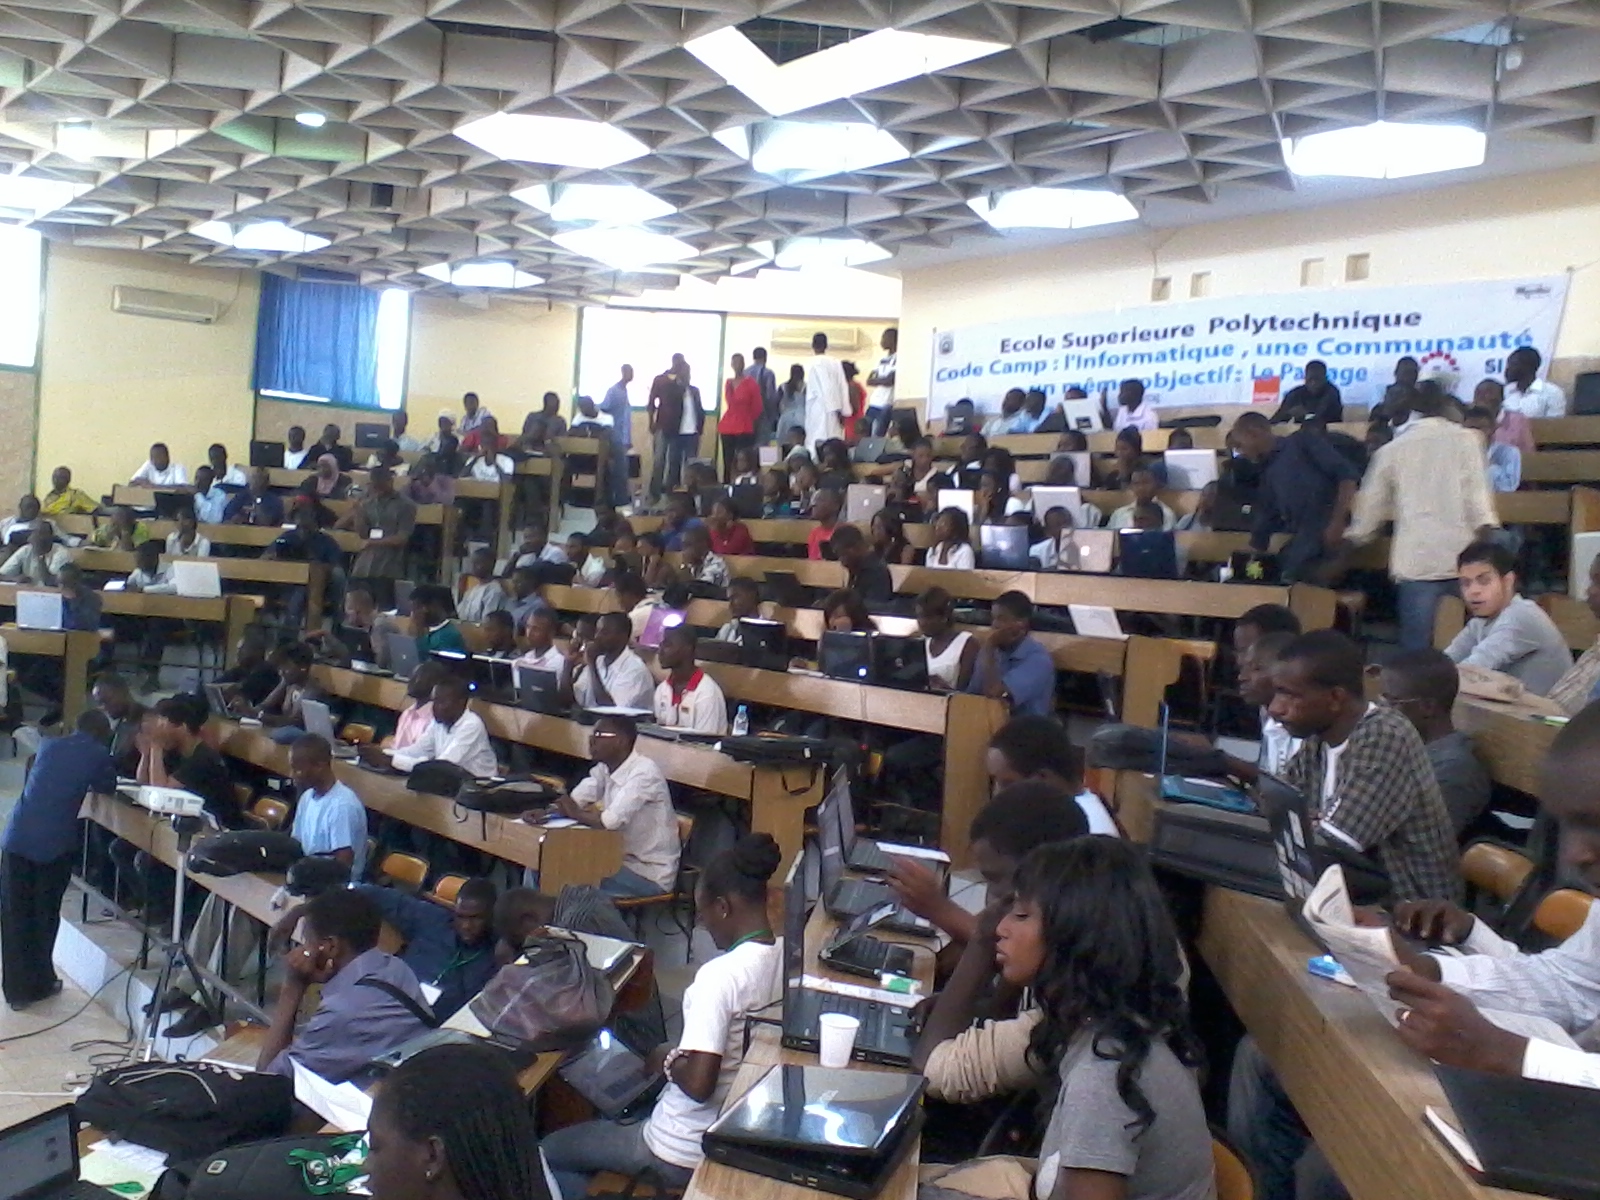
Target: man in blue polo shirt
{"x": 1012, "y": 666}
{"x": 37, "y": 850}
{"x": 329, "y": 818}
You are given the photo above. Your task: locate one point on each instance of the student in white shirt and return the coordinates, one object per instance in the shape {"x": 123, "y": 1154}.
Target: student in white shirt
{"x": 1132, "y": 411}
{"x": 1145, "y": 488}
{"x": 535, "y": 548}
{"x": 231, "y": 474}
{"x": 591, "y": 567}
{"x": 159, "y": 471}
{"x": 1526, "y": 393}
{"x": 952, "y": 542}
{"x": 627, "y": 791}
{"x": 687, "y": 698}
{"x": 489, "y": 465}
{"x": 542, "y": 653}
{"x": 456, "y": 734}
{"x": 150, "y": 574}
{"x": 605, "y": 672}
{"x": 24, "y": 523}
{"x": 40, "y": 561}
{"x": 746, "y": 976}
{"x": 295, "y": 449}
{"x": 186, "y": 541}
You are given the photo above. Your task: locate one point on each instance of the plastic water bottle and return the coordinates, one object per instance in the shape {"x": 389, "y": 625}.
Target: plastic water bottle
{"x": 741, "y": 721}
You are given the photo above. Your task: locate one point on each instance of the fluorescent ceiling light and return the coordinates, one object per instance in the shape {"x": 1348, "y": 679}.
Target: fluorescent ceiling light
{"x": 624, "y": 247}
{"x": 606, "y": 203}
{"x": 34, "y": 197}
{"x": 311, "y": 119}
{"x": 482, "y": 275}
{"x": 556, "y": 141}
{"x": 805, "y": 253}
{"x": 862, "y": 64}
{"x": 1386, "y": 150}
{"x": 1053, "y": 208}
{"x": 800, "y": 150}
{"x": 272, "y": 236}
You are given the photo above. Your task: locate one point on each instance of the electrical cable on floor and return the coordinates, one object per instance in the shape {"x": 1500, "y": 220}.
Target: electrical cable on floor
{"x": 18, "y": 1037}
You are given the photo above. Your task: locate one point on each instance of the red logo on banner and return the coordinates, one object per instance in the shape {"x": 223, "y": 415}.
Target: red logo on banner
{"x": 1265, "y": 389}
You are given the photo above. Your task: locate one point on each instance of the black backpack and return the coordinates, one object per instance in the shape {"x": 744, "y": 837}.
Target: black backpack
{"x": 437, "y": 777}
{"x": 320, "y": 1164}
{"x": 187, "y": 1110}
{"x": 242, "y": 850}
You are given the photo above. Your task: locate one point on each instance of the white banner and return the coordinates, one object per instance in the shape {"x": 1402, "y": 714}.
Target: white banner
{"x": 1212, "y": 351}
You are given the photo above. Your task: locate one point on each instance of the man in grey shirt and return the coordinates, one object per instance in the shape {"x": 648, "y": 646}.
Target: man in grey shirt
{"x": 1421, "y": 685}
{"x": 1507, "y": 632}
{"x": 386, "y": 519}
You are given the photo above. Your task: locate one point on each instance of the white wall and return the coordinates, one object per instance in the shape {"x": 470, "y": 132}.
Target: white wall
{"x": 1526, "y": 225}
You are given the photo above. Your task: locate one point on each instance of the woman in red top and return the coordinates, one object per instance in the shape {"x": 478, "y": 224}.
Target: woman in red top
{"x": 729, "y": 535}
{"x": 741, "y": 409}
{"x": 858, "y": 404}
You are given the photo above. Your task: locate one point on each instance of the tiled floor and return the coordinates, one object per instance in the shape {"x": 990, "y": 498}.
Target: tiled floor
{"x": 39, "y": 1071}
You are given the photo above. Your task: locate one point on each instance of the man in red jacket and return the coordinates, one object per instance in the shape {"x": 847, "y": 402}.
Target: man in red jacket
{"x": 741, "y": 409}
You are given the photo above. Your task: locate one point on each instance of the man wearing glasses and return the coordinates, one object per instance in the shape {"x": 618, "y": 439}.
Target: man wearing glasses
{"x": 1421, "y": 685}
{"x": 627, "y": 791}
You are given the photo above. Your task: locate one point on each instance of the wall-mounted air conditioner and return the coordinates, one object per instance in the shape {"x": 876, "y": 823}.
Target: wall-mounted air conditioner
{"x": 169, "y": 306}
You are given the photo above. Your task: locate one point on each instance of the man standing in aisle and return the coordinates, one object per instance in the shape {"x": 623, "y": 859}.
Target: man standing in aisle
{"x": 666, "y": 409}
{"x": 1526, "y": 393}
{"x": 880, "y": 399}
{"x": 618, "y": 407}
{"x": 386, "y": 519}
{"x": 1432, "y": 485}
{"x": 767, "y": 427}
{"x": 827, "y": 395}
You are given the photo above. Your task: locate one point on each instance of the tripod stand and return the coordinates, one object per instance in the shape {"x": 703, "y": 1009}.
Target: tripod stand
{"x": 175, "y": 954}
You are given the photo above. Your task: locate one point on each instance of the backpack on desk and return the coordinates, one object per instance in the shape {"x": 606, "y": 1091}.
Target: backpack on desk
{"x": 320, "y": 1164}
{"x": 187, "y": 1109}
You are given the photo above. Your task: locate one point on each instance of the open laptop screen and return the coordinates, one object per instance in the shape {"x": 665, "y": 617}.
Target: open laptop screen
{"x": 39, "y": 1155}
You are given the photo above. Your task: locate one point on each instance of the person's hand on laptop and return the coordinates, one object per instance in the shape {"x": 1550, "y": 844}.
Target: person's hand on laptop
{"x": 1448, "y": 1028}
{"x": 920, "y": 890}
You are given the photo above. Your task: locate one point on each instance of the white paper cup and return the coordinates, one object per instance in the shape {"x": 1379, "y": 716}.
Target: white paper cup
{"x": 838, "y": 1039}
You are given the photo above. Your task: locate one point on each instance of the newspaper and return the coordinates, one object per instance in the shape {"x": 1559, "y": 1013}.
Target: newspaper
{"x": 1367, "y": 956}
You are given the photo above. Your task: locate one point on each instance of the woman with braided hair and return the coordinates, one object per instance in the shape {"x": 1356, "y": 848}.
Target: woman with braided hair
{"x": 451, "y": 1123}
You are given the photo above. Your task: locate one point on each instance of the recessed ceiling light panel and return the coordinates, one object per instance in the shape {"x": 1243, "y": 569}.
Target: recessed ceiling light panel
{"x": 862, "y": 64}
{"x": 810, "y": 253}
{"x": 1386, "y": 150}
{"x": 495, "y": 274}
{"x": 272, "y": 236}
{"x": 795, "y": 151}
{"x": 311, "y": 119}
{"x": 555, "y": 141}
{"x": 1053, "y": 208}
{"x": 625, "y": 248}
{"x": 32, "y": 197}
{"x": 605, "y": 203}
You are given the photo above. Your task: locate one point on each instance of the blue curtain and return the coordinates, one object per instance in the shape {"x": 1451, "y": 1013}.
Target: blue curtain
{"x": 318, "y": 339}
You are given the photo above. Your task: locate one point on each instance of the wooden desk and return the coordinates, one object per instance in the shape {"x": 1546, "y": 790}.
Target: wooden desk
{"x": 250, "y": 892}
{"x": 255, "y": 536}
{"x": 75, "y": 648}
{"x": 1313, "y": 605}
{"x": 1566, "y": 431}
{"x": 561, "y": 856}
{"x": 1561, "y": 466}
{"x": 778, "y": 799}
{"x": 233, "y": 613}
{"x": 1510, "y": 746}
{"x": 1577, "y": 624}
{"x": 311, "y": 576}
{"x": 1533, "y": 508}
{"x": 1359, "y": 1090}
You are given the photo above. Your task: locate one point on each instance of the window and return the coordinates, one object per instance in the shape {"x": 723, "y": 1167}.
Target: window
{"x": 21, "y": 273}
{"x": 332, "y": 343}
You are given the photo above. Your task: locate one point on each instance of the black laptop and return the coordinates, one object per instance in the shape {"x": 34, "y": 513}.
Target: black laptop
{"x": 863, "y": 854}
{"x": 371, "y": 434}
{"x": 40, "y": 1159}
{"x": 843, "y": 1131}
{"x": 746, "y": 501}
{"x": 538, "y": 691}
{"x": 764, "y": 644}
{"x": 845, "y": 655}
{"x": 855, "y": 952}
{"x": 885, "y": 1035}
{"x": 266, "y": 454}
{"x": 846, "y": 898}
{"x": 785, "y": 588}
{"x": 1147, "y": 554}
{"x": 1004, "y": 548}
{"x": 171, "y": 505}
{"x": 900, "y": 661}
{"x": 1529, "y": 1135}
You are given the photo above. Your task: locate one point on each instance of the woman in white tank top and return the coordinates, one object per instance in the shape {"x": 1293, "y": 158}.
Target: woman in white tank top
{"x": 951, "y": 651}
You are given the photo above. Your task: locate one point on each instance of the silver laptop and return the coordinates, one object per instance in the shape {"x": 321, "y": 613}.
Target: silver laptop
{"x": 1086, "y": 550}
{"x": 201, "y": 580}
{"x": 402, "y": 655}
{"x": 862, "y": 501}
{"x": 38, "y": 610}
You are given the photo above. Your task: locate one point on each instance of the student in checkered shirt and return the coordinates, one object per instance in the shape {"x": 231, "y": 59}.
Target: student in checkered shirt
{"x": 1365, "y": 767}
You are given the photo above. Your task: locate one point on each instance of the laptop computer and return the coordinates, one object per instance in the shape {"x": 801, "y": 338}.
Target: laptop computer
{"x": 1086, "y": 550}
{"x": 746, "y": 501}
{"x": 846, "y": 898}
{"x": 318, "y": 719}
{"x": 371, "y": 434}
{"x": 843, "y": 1132}
{"x": 1082, "y": 470}
{"x": 660, "y": 620}
{"x": 862, "y": 501}
{"x": 201, "y": 580}
{"x": 170, "y": 506}
{"x": 852, "y": 951}
{"x": 1003, "y": 548}
{"x": 1044, "y": 499}
{"x": 710, "y": 649}
{"x": 1148, "y": 554}
{"x": 38, "y": 610}
{"x": 868, "y": 450}
{"x": 1195, "y": 791}
{"x": 1190, "y": 470}
{"x": 537, "y": 691}
{"x": 864, "y": 854}
{"x": 266, "y": 454}
{"x": 845, "y": 655}
{"x": 1096, "y": 620}
{"x": 607, "y": 1073}
{"x": 885, "y": 1034}
{"x": 402, "y": 654}
{"x": 763, "y": 644}
{"x": 216, "y": 699}
{"x": 40, "y": 1159}
{"x": 961, "y": 498}
{"x": 1529, "y": 1135}
{"x": 900, "y": 661}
